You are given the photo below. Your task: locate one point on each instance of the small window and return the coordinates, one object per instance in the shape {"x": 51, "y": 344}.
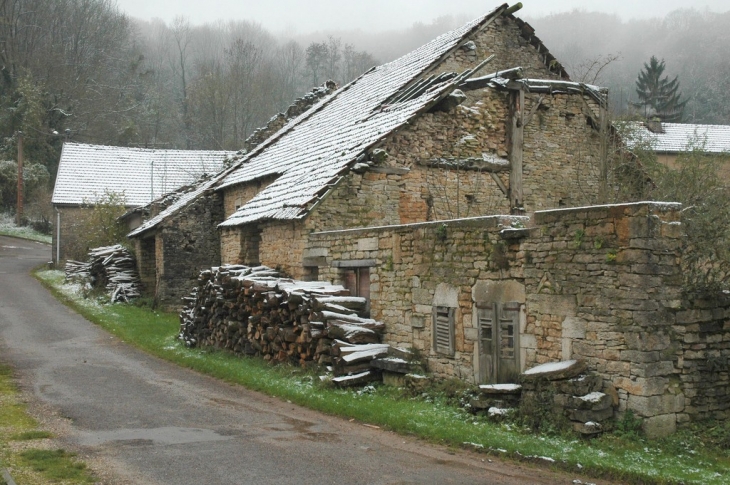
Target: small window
{"x": 357, "y": 280}
{"x": 443, "y": 330}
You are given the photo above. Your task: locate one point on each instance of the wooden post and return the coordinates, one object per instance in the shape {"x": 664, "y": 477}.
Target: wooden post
{"x": 603, "y": 133}
{"x": 19, "y": 208}
{"x": 516, "y": 140}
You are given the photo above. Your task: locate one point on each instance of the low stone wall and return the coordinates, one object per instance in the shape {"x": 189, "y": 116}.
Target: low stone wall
{"x": 602, "y": 284}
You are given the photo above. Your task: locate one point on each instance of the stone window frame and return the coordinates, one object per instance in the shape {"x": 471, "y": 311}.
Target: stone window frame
{"x": 444, "y": 318}
{"x": 358, "y": 286}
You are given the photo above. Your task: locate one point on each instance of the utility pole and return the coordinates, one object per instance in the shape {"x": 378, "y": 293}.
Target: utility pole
{"x": 19, "y": 209}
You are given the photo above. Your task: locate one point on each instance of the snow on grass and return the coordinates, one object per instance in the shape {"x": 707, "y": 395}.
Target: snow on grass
{"x": 8, "y": 228}
{"x": 430, "y": 417}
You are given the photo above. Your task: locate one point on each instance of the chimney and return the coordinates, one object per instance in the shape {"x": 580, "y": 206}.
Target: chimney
{"x": 654, "y": 125}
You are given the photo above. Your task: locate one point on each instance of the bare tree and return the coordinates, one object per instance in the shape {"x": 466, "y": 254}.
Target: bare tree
{"x": 181, "y": 35}
{"x": 317, "y": 57}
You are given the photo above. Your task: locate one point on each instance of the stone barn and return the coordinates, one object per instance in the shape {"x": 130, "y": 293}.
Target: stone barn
{"x": 394, "y": 186}
{"x": 430, "y": 136}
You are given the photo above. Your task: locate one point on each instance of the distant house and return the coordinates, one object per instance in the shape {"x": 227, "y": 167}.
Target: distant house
{"x": 87, "y": 173}
{"x": 668, "y": 140}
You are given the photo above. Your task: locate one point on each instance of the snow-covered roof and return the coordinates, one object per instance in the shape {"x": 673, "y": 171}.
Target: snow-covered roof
{"x": 678, "y": 137}
{"x": 310, "y": 158}
{"x": 87, "y": 172}
{"x": 310, "y": 154}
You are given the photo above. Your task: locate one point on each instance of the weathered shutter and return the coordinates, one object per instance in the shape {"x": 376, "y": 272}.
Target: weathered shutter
{"x": 509, "y": 332}
{"x": 443, "y": 330}
{"x": 508, "y": 328}
{"x": 486, "y": 319}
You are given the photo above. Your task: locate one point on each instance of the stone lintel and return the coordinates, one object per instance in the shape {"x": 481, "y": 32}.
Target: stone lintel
{"x": 390, "y": 170}
{"x": 355, "y": 263}
{"x": 312, "y": 261}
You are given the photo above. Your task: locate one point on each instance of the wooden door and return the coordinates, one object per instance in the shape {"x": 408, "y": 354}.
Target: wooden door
{"x": 487, "y": 343}
{"x": 499, "y": 329}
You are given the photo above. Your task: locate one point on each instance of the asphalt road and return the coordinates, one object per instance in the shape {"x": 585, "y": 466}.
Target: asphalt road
{"x": 140, "y": 420}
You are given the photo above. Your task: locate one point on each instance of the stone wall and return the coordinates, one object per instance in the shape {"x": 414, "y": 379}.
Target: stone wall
{"x": 561, "y": 153}
{"x": 186, "y": 243}
{"x": 231, "y": 245}
{"x": 702, "y": 329}
{"x": 146, "y": 258}
{"x": 503, "y": 39}
{"x": 601, "y": 283}
{"x": 417, "y": 266}
{"x": 237, "y": 195}
{"x": 282, "y": 246}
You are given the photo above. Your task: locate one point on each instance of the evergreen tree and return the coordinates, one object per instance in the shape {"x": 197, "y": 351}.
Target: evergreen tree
{"x": 658, "y": 96}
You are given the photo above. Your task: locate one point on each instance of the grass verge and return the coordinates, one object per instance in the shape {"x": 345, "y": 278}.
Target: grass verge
{"x": 685, "y": 458}
{"x": 8, "y": 228}
{"x": 21, "y": 450}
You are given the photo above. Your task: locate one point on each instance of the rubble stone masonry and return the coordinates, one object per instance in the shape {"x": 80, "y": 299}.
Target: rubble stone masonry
{"x": 184, "y": 247}
{"x": 598, "y": 283}
{"x": 503, "y": 39}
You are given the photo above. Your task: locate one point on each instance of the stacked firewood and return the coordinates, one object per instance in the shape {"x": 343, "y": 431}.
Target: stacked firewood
{"x": 110, "y": 267}
{"x": 255, "y": 311}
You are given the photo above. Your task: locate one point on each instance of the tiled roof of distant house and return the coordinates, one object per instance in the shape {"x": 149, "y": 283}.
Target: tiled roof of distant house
{"x": 87, "y": 172}
{"x": 678, "y": 137}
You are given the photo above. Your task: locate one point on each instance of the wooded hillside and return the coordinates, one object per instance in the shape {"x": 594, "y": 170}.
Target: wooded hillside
{"x": 84, "y": 71}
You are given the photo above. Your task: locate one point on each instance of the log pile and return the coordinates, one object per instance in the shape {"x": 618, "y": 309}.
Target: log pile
{"x": 255, "y": 311}
{"x": 110, "y": 267}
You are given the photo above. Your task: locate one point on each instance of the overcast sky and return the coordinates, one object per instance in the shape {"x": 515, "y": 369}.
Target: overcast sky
{"x": 303, "y": 16}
